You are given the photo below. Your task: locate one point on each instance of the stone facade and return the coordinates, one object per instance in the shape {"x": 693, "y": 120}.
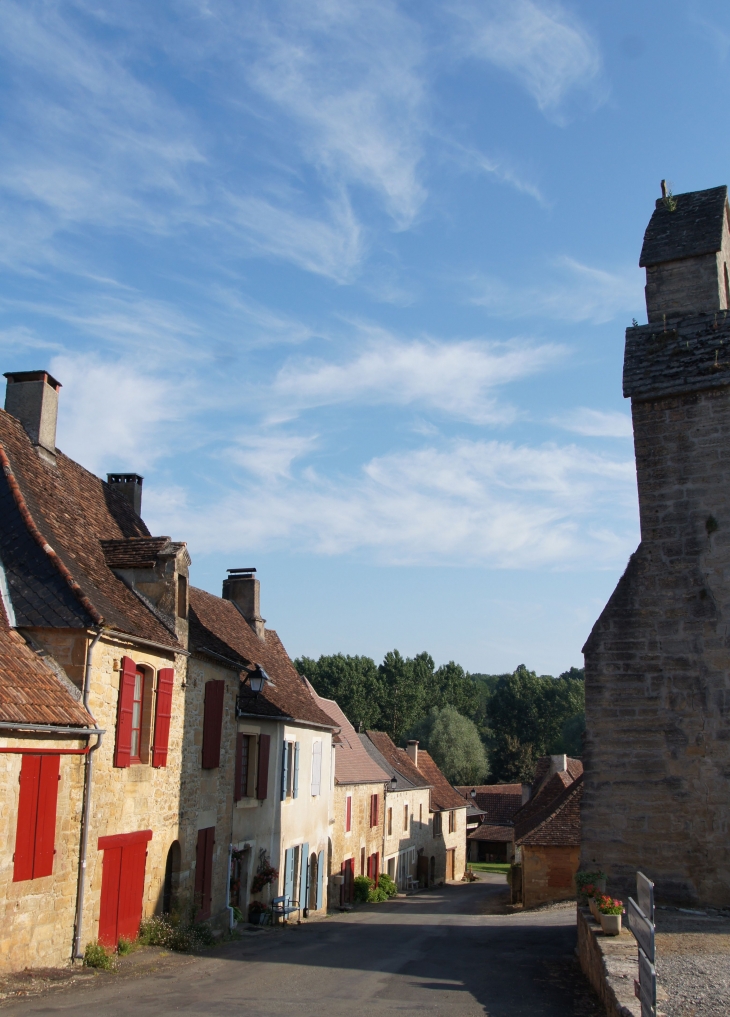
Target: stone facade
{"x": 548, "y": 874}
{"x": 404, "y": 843}
{"x": 362, "y": 839}
{"x": 657, "y": 753}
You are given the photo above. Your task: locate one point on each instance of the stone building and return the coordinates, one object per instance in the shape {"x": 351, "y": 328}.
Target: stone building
{"x": 657, "y": 751}
{"x": 277, "y": 799}
{"x": 356, "y": 833}
{"x": 407, "y": 829}
{"x": 490, "y": 835}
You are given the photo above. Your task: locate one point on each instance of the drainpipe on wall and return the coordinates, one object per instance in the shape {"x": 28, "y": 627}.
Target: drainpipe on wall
{"x": 86, "y": 808}
{"x": 231, "y": 922}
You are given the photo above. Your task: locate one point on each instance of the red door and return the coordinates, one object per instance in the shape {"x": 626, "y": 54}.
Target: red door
{"x": 122, "y": 886}
{"x": 204, "y": 872}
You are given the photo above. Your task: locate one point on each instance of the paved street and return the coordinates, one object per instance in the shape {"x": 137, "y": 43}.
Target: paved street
{"x": 436, "y": 952}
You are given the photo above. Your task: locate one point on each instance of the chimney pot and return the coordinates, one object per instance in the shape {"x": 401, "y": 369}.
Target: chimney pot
{"x": 244, "y": 591}
{"x": 412, "y": 751}
{"x": 558, "y": 764}
{"x": 129, "y": 485}
{"x": 32, "y": 398}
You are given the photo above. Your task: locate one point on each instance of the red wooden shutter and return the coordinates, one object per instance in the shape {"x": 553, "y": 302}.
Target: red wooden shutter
{"x": 35, "y": 835}
{"x": 262, "y": 779}
{"x": 30, "y": 770}
{"x": 348, "y": 813}
{"x": 45, "y": 831}
{"x": 212, "y": 722}
{"x": 237, "y": 786}
{"x": 131, "y": 890}
{"x": 125, "y": 706}
{"x": 163, "y": 712}
{"x": 111, "y": 869}
{"x": 122, "y": 885}
{"x": 204, "y": 872}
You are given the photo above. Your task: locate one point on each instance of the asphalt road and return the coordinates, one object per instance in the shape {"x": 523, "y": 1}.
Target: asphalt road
{"x": 446, "y": 951}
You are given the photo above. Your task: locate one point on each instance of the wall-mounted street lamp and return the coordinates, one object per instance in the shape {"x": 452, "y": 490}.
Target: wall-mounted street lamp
{"x": 393, "y": 782}
{"x": 256, "y": 679}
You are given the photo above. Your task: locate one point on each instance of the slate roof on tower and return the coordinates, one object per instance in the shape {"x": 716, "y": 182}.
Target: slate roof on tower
{"x": 219, "y": 630}
{"x": 693, "y": 228}
{"x": 53, "y": 520}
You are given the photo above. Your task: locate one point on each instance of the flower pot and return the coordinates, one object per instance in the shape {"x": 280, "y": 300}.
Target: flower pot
{"x": 611, "y": 924}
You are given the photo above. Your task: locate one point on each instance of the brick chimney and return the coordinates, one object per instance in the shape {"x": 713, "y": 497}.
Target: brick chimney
{"x": 412, "y": 751}
{"x": 129, "y": 485}
{"x": 32, "y": 397}
{"x": 244, "y": 590}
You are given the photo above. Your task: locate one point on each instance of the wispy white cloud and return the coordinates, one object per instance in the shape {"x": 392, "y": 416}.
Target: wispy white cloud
{"x": 270, "y": 456}
{"x": 113, "y": 415}
{"x": 576, "y": 292}
{"x": 456, "y": 378}
{"x": 467, "y": 502}
{"x": 595, "y": 423}
{"x": 500, "y": 169}
{"x": 541, "y": 43}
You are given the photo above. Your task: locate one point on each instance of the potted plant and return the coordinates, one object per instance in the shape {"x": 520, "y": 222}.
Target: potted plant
{"x": 610, "y": 911}
{"x": 595, "y": 880}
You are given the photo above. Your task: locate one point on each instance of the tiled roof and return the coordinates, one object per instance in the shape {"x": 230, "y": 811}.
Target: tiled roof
{"x": 557, "y": 823}
{"x": 505, "y": 834}
{"x": 498, "y": 801}
{"x": 30, "y": 692}
{"x": 52, "y": 522}
{"x": 218, "y": 628}
{"x": 134, "y": 552}
{"x": 693, "y": 228}
{"x": 443, "y": 795}
{"x": 353, "y": 765}
{"x": 542, "y": 768}
{"x": 398, "y": 759}
{"x": 402, "y": 783}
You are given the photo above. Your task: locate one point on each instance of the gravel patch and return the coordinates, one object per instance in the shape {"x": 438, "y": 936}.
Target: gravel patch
{"x": 693, "y": 962}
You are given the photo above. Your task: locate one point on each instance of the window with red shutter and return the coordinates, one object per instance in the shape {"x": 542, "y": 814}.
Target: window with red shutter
{"x": 243, "y": 755}
{"x": 212, "y": 723}
{"x": 204, "y": 872}
{"x": 348, "y": 813}
{"x": 35, "y": 834}
{"x": 163, "y": 713}
{"x": 262, "y": 778}
{"x": 373, "y": 810}
{"x": 125, "y": 711}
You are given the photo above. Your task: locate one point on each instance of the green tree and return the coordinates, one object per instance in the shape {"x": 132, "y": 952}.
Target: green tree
{"x": 404, "y": 685}
{"x": 353, "y": 682}
{"x": 452, "y": 686}
{"x": 454, "y": 743}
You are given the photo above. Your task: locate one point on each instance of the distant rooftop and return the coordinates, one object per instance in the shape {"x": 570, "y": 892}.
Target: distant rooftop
{"x": 692, "y": 229}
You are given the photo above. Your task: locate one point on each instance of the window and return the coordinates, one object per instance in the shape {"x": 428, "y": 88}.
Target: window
{"x": 374, "y": 867}
{"x": 35, "y": 834}
{"x": 316, "y": 766}
{"x": 134, "y": 709}
{"x": 452, "y": 823}
{"x": 182, "y": 597}
{"x": 405, "y": 818}
{"x": 348, "y": 814}
{"x": 374, "y": 810}
{"x": 420, "y": 814}
{"x": 262, "y": 776}
{"x": 391, "y": 868}
{"x": 212, "y": 723}
{"x": 390, "y": 822}
{"x": 137, "y": 704}
{"x": 437, "y": 829}
{"x": 290, "y": 771}
{"x": 243, "y": 786}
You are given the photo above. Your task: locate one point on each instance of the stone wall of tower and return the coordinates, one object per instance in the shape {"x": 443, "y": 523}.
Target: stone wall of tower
{"x": 657, "y": 755}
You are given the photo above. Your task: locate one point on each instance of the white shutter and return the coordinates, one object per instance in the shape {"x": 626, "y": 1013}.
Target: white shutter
{"x": 316, "y": 767}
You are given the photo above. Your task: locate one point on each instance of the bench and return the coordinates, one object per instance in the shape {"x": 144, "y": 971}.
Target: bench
{"x": 282, "y": 907}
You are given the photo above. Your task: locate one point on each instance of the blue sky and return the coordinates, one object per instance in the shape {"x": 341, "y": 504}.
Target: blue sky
{"x": 347, "y": 281}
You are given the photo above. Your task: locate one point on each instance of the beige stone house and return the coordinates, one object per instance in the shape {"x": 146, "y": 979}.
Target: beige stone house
{"x": 407, "y": 833}
{"x": 277, "y": 801}
{"x": 490, "y": 833}
{"x": 106, "y": 605}
{"x": 357, "y": 817}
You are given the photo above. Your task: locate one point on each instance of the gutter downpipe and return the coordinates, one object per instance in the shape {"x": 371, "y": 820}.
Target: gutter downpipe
{"x": 81, "y": 882}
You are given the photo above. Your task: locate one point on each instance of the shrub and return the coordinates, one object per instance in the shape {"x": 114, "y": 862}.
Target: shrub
{"x": 377, "y": 895}
{"x": 97, "y": 956}
{"x": 178, "y": 935}
{"x": 125, "y": 946}
{"x": 363, "y": 886}
{"x": 155, "y": 931}
{"x": 387, "y": 884}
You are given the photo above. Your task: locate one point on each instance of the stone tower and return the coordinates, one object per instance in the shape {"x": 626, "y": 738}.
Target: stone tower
{"x": 657, "y": 754}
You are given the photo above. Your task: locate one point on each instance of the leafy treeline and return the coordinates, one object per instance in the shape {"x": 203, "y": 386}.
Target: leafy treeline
{"x": 517, "y": 717}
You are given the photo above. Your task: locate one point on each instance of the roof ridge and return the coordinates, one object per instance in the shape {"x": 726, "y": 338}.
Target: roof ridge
{"x": 35, "y": 532}
{"x": 549, "y": 810}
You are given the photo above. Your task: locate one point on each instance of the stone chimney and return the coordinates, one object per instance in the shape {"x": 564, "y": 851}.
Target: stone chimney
{"x": 558, "y": 764}
{"x": 412, "y": 751}
{"x": 32, "y": 397}
{"x": 244, "y": 590}
{"x": 526, "y": 793}
{"x": 129, "y": 485}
